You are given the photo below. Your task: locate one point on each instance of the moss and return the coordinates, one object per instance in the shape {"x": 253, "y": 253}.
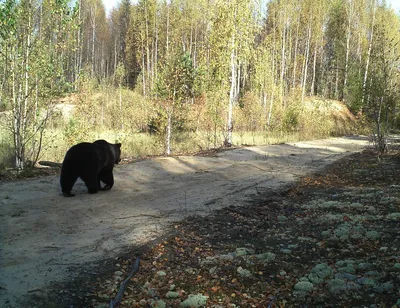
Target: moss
{"x": 346, "y": 266}
{"x": 172, "y": 294}
{"x": 346, "y": 276}
{"x": 196, "y": 301}
{"x": 389, "y": 200}
{"x": 324, "y": 204}
{"x": 373, "y": 235}
{"x": 208, "y": 261}
{"x": 282, "y": 218}
{"x": 336, "y": 285}
{"x": 368, "y": 282}
{"x": 243, "y": 272}
{"x": 161, "y": 273}
{"x": 243, "y": 251}
{"x": 366, "y": 217}
{"x": 305, "y": 239}
{"x": 372, "y": 274}
{"x": 158, "y": 304}
{"x": 304, "y": 286}
{"x": 385, "y": 287}
{"x": 393, "y": 216}
{"x": 364, "y": 266}
{"x": 326, "y": 233}
{"x": 319, "y": 273}
{"x": 266, "y": 257}
{"x": 343, "y": 231}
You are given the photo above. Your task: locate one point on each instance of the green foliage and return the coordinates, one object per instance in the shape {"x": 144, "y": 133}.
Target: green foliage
{"x": 290, "y": 121}
{"x": 177, "y": 79}
{"x": 181, "y": 58}
{"x": 75, "y": 131}
{"x": 7, "y": 156}
{"x": 8, "y": 18}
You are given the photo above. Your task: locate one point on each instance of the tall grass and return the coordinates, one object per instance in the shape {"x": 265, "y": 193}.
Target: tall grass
{"x": 6, "y": 150}
{"x": 140, "y": 145}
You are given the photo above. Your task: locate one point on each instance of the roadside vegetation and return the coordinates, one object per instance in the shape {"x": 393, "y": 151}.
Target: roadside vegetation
{"x": 76, "y": 121}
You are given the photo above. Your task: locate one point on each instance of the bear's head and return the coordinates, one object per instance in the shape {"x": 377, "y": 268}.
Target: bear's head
{"x": 117, "y": 151}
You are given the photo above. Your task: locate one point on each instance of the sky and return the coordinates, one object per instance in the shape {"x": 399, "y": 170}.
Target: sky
{"x": 109, "y": 4}
{"x": 395, "y": 4}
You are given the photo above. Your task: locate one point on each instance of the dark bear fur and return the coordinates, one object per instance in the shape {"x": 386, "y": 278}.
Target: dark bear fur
{"x": 93, "y": 163}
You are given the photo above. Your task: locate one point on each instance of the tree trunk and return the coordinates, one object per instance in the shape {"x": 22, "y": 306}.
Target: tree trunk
{"x": 295, "y": 55}
{"x": 369, "y": 52}
{"x": 348, "y": 36}
{"x": 93, "y": 38}
{"x": 167, "y": 31}
{"x": 143, "y": 72}
{"x": 237, "y": 87}
{"x": 283, "y": 62}
{"x": 115, "y": 55}
{"x": 169, "y": 130}
{"x": 228, "y": 141}
{"x": 147, "y": 47}
{"x": 155, "y": 61}
{"x": 120, "y": 107}
{"x": 337, "y": 82}
{"x": 306, "y": 58}
{"x": 314, "y": 71}
{"x": 78, "y": 52}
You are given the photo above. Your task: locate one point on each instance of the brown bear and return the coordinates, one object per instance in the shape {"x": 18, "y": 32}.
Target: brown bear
{"x": 93, "y": 163}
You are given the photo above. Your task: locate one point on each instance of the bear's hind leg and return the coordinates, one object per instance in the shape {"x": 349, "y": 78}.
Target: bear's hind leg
{"x": 67, "y": 181}
{"x": 107, "y": 178}
{"x": 91, "y": 183}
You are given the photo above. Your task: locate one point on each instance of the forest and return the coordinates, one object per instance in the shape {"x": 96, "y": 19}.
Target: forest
{"x": 182, "y": 76}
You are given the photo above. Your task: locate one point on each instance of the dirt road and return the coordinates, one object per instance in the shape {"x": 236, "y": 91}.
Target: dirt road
{"x": 43, "y": 234}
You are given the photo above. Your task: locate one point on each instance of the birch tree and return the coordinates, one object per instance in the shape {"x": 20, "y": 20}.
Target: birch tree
{"x": 232, "y": 32}
{"x": 175, "y": 86}
{"x": 34, "y": 73}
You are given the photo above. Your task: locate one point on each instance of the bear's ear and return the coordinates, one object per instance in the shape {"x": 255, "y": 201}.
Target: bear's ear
{"x": 118, "y": 145}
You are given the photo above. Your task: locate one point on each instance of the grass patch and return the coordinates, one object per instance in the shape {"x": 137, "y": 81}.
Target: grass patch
{"x": 139, "y": 145}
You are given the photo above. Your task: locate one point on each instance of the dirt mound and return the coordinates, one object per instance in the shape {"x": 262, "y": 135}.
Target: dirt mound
{"x": 329, "y": 107}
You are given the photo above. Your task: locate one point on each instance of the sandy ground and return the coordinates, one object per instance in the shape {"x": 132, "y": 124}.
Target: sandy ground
{"x": 43, "y": 235}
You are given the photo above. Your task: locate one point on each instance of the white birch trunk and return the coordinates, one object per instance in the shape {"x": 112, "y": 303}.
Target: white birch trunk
{"x": 169, "y": 130}
{"x": 270, "y": 109}
{"x": 314, "y": 71}
{"x": 231, "y": 94}
{"x": 295, "y": 55}
{"x": 120, "y": 107}
{"x": 143, "y": 72}
{"x": 283, "y": 63}
{"x": 147, "y": 47}
{"x": 307, "y": 53}
{"x": 93, "y": 38}
{"x": 369, "y": 51}
{"x": 348, "y": 36}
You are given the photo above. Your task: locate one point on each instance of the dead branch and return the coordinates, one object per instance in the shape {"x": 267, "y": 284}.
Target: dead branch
{"x": 118, "y": 298}
{"x": 49, "y": 164}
